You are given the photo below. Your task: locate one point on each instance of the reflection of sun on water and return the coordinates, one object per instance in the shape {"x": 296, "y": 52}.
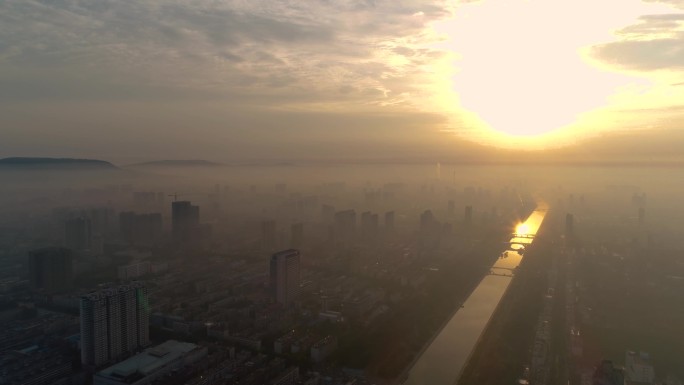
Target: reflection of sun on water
{"x": 522, "y": 229}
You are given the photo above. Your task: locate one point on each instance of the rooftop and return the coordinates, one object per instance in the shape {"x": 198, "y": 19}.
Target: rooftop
{"x": 148, "y": 361}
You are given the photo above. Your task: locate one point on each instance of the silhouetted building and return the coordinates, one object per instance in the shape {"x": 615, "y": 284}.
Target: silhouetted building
{"x": 268, "y": 234}
{"x": 389, "y": 221}
{"x": 451, "y": 208}
{"x": 285, "y": 276}
{"x": 569, "y": 224}
{"x": 427, "y": 222}
{"x": 114, "y": 323}
{"x": 51, "y": 269}
{"x": 78, "y": 234}
{"x": 297, "y": 236}
{"x": 185, "y": 221}
{"x": 140, "y": 228}
{"x": 468, "y": 216}
{"x": 642, "y": 216}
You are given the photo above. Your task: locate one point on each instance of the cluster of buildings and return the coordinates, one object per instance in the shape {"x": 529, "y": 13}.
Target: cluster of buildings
{"x": 249, "y": 309}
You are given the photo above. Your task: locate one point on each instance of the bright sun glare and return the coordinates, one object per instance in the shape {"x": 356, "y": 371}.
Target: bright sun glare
{"x": 521, "y": 66}
{"x": 522, "y": 229}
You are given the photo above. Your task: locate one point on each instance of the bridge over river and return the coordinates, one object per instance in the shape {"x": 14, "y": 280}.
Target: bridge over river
{"x": 443, "y": 360}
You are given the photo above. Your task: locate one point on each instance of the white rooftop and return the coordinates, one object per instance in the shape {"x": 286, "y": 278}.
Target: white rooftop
{"x": 149, "y": 361}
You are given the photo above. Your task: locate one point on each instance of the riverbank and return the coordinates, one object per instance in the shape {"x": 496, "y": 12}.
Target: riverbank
{"x": 459, "y": 303}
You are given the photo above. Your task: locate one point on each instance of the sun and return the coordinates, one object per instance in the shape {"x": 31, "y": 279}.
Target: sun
{"x": 521, "y": 66}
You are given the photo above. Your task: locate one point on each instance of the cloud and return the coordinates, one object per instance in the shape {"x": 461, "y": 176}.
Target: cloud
{"x": 676, "y": 3}
{"x": 299, "y": 49}
{"x": 656, "y": 42}
{"x": 219, "y": 75}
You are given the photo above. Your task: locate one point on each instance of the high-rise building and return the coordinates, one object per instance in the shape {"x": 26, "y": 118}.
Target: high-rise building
{"x": 297, "y": 240}
{"x": 366, "y": 220}
{"x": 642, "y": 216}
{"x": 468, "y": 216}
{"x": 569, "y": 224}
{"x": 451, "y": 206}
{"x": 427, "y": 221}
{"x": 51, "y": 269}
{"x": 78, "y": 234}
{"x": 114, "y": 323}
{"x": 185, "y": 221}
{"x": 285, "y": 278}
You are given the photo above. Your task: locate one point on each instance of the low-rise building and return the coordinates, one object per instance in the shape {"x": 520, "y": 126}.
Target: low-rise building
{"x": 151, "y": 364}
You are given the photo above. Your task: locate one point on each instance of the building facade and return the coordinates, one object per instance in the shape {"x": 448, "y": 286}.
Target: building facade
{"x": 285, "y": 276}
{"x": 185, "y": 221}
{"x": 114, "y": 323}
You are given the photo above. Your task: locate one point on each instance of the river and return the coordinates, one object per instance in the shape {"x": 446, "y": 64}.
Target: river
{"x": 446, "y": 355}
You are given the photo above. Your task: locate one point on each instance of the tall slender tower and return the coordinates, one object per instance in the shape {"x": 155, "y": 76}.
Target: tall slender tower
{"x": 114, "y": 322}
{"x": 569, "y": 224}
{"x": 468, "y": 216}
{"x": 285, "y": 278}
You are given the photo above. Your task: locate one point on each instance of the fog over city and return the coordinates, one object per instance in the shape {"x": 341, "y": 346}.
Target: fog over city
{"x": 224, "y": 192}
{"x": 402, "y": 273}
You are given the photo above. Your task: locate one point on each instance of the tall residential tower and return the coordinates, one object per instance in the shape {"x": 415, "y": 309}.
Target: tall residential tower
{"x": 114, "y": 323}
{"x": 285, "y": 278}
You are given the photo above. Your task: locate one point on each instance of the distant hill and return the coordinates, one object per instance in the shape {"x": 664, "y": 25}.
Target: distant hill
{"x": 54, "y": 163}
{"x": 177, "y": 163}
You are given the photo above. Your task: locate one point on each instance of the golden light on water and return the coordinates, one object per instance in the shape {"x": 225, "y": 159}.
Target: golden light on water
{"x": 522, "y": 229}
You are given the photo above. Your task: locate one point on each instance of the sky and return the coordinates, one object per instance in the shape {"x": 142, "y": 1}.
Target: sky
{"x": 260, "y": 79}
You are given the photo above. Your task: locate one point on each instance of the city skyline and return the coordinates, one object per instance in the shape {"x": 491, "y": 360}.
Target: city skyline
{"x": 324, "y": 192}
